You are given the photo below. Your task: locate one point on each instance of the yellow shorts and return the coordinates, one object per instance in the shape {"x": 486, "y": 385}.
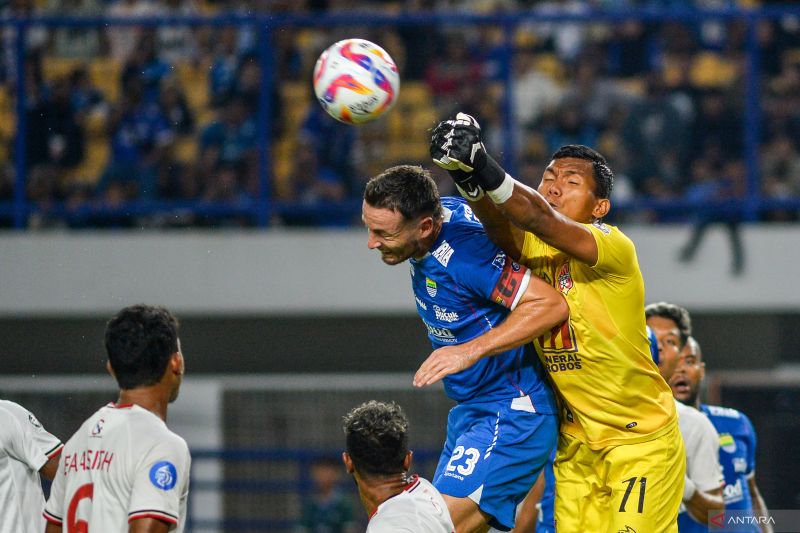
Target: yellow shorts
{"x": 629, "y": 488}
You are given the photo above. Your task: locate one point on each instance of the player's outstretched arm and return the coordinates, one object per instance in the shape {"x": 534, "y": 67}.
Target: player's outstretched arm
{"x": 461, "y": 152}
{"x": 53, "y": 528}
{"x": 539, "y": 310}
{"x": 148, "y": 525}
{"x": 759, "y": 505}
{"x": 703, "y": 502}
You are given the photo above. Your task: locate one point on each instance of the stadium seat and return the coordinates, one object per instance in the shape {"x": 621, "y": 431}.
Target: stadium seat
{"x": 105, "y": 75}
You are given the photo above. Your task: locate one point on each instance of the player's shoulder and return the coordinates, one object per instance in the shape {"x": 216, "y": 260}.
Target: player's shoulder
{"x": 16, "y": 415}
{"x": 693, "y": 417}
{"x": 728, "y": 416}
{"x": 459, "y": 218}
{"x": 722, "y": 412}
{"x": 610, "y": 233}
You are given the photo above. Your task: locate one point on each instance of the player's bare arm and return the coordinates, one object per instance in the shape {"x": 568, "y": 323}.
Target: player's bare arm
{"x": 528, "y": 513}
{"x": 53, "y": 528}
{"x": 759, "y": 506}
{"x": 539, "y": 310}
{"x": 704, "y": 502}
{"x": 49, "y": 469}
{"x": 148, "y": 525}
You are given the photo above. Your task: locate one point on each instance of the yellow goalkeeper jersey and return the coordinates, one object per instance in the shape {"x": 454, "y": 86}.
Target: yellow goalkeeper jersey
{"x": 599, "y": 361}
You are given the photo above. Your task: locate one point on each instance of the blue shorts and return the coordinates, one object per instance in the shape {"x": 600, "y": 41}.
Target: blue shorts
{"x": 493, "y": 455}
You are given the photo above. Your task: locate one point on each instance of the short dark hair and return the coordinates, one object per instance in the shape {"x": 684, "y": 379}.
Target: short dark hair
{"x": 139, "y": 341}
{"x": 408, "y": 189}
{"x": 673, "y": 312}
{"x": 377, "y": 438}
{"x": 603, "y": 177}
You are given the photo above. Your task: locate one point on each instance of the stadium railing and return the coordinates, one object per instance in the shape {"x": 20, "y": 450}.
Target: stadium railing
{"x": 260, "y": 208}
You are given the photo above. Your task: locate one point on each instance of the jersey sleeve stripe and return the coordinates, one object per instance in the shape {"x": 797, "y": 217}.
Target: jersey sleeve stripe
{"x": 55, "y": 450}
{"x": 53, "y": 519}
{"x": 523, "y": 286}
{"x": 152, "y": 513}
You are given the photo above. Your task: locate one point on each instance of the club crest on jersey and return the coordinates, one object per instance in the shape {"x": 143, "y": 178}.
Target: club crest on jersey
{"x": 163, "y": 475}
{"x": 430, "y": 286}
{"x": 34, "y": 422}
{"x": 565, "y": 279}
{"x": 98, "y": 428}
{"x": 727, "y": 443}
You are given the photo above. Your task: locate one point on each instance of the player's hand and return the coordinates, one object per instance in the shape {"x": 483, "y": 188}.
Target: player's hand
{"x": 440, "y": 140}
{"x": 443, "y": 362}
{"x": 465, "y": 151}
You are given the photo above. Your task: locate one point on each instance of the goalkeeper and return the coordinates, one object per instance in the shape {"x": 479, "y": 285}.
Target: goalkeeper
{"x": 620, "y": 459}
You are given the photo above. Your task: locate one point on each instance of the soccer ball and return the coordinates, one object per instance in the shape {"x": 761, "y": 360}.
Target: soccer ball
{"x": 356, "y": 81}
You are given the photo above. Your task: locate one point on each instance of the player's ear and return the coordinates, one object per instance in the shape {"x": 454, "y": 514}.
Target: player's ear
{"x": 425, "y": 226}
{"x": 407, "y": 461}
{"x": 348, "y": 463}
{"x": 601, "y": 208}
{"x": 176, "y": 364}
{"x": 110, "y": 370}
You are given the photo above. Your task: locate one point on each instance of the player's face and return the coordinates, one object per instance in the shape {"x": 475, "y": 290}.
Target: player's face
{"x": 391, "y": 234}
{"x": 669, "y": 344}
{"x": 568, "y": 186}
{"x": 689, "y": 374}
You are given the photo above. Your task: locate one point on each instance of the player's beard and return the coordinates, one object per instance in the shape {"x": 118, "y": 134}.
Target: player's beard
{"x": 396, "y": 256}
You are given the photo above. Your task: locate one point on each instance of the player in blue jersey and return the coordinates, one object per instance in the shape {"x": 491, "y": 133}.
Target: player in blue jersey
{"x": 481, "y": 310}
{"x": 737, "y": 453}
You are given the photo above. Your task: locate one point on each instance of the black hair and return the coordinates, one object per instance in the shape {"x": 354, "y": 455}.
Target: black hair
{"x": 139, "y": 341}
{"x": 603, "y": 177}
{"x": 377, "y": 438}
{"x": 673, "y": 312}
{"x": 407, "y": 189}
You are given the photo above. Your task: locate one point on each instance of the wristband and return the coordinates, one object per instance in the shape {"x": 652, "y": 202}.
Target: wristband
{"x": 471, "y": 197}
{"x": 503, "y": 192}
{"x": 490, "y": 174}
{"x": 689, "y": 489}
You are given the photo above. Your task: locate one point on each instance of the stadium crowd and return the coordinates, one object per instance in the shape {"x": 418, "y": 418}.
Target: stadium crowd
{"x": 122, "y": 113}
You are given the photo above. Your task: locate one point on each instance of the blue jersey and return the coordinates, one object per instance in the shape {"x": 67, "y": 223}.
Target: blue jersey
{"x": 737, "y": 457}
{"x": 464, "y": 287}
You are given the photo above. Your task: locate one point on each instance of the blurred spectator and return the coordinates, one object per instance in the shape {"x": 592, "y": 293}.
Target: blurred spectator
{"x": 224, "y": 67}
{"x": 631, "y": 49}
{"x": 714, "y": 189}
{"x": 655, "y": 137}
{"x": 35, "y": 38}
{"x": 230, "y": 143}
{"x": 145, "y": 64}
{"x": 123, "y": 39}
{"x": 718, "y": 123}
{"x": 175, "y": 108}
{"x": 455, "y": 68}
{"x": 55, "y": 144}
{"x": 329, "y": 509}
{"x": 140, "y": 141}
{"x": 780, "y": 173}
{"x": 86, "y": 98}
{"x": 535, "y": 93}
{"x": 333, "y": 145}
{"x": 569, "y": 127}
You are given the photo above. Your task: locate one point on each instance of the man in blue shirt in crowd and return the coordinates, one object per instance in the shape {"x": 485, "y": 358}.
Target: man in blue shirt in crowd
{"x": 737, "y": 439}
{"x": 481, "y": 310}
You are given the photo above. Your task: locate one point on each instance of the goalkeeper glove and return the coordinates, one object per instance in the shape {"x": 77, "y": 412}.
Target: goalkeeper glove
{"x": 466, "y": 183}
{"x": 465, "y": 151}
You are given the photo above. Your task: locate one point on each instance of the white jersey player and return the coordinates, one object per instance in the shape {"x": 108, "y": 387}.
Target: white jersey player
{"x": 420, "y": 508}
{"x": 26, "y": 449}
{"x": 123, "y": 471}
{"x": 378, "y": 458}
{"x": 122, "y": 464}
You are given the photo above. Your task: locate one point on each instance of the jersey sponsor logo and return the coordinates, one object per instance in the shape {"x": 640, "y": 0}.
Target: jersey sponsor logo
{"x": 505, "y": 292}
{"x": 562, "y": 362}
{"x": 716, "y": 410}
{"x": 443, "y": 253}
{"x": 565, "y": 282}
{"x": 602, "y": 227}
{"x": 727, "y": 443}
{"x": 97, "y": 428}
{"x": 561, "y": 339}
{"x": 421, "y": 303}
{"x": 470, "y": 214}
{"x": 430, "y": 286}
{"x": 733, "y": 493}
{"x": 34, "y": 422}
{"x": 740, "y": 465}
{"x": 441, "y": 334}
{"x": 631, "y": 425}
{"x": 444, "y": 315}
{"x": 163, "y": 475}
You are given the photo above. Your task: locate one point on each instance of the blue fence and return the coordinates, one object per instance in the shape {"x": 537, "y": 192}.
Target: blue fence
{"x": 260, "y": 207}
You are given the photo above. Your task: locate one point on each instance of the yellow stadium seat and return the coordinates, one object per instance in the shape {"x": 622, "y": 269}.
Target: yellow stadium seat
{"x": 93, "y": 164}
{"x": 105, "y": 75}
{"x": 59, "y": 67}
